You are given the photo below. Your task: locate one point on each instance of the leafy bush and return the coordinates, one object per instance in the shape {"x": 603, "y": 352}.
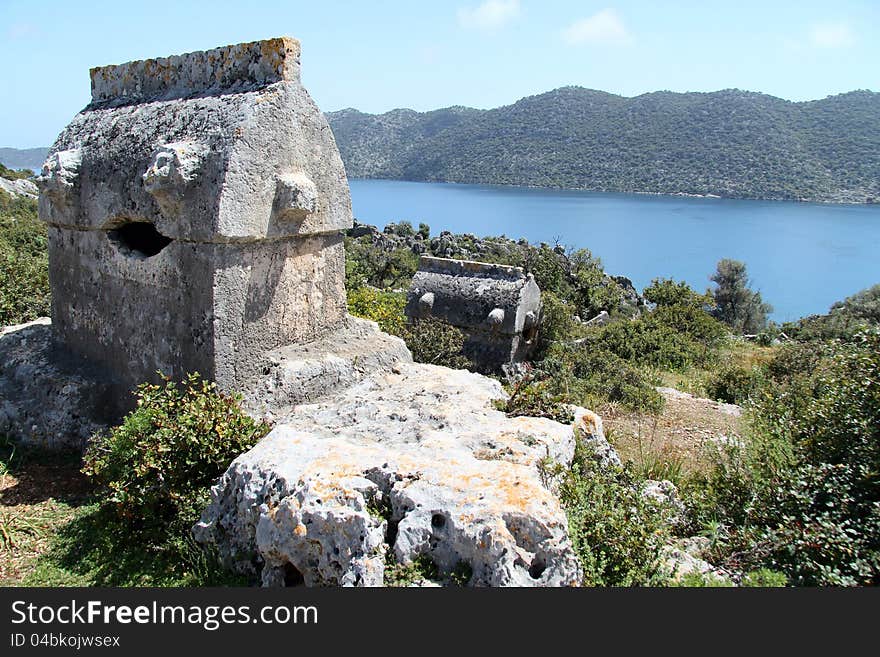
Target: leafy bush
{"x": 764, "y": 577}
{"x": 583, "y": 375}
{"x": 384, "y": 308}
{"x": 667, "y": 292}
{"x": 670, "y": 337}
{"x": 733, "y": 384}
{"x": 437, "y": 343}
{"x": 24, "y": 263}
{"x": 537, "y": 398}
{"x": 401, "y": 229}
{"x": 557, "y": 323}
{"x": 803, "y": 498}
{"x": 159, "y": 463}
{"x": 365, "y": 264}
{"x": 12, "y": 174}
{"x": 843, "y": 321}
{"x": 617, "y": 533}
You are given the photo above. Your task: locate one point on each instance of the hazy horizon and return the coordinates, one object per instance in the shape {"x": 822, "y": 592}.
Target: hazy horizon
{"x": 482, "y": 54}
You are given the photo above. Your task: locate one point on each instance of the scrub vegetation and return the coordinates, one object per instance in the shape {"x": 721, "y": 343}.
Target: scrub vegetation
{"x": 788, "y": 491}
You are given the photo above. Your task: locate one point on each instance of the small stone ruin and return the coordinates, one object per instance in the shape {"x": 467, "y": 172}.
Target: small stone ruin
{"x": 496, "y": 306}
{"x": 194, "y": 211}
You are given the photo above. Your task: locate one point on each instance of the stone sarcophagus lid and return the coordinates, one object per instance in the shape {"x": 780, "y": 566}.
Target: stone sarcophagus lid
{"x": 496, "y": 306}
{"x": 194, "y": 211}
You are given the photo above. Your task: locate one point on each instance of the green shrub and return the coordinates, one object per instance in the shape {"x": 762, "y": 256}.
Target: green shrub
{"x": 557, "y": 323}
{"x": 24, "y": 262}
{"x": 741, "y": 308}
{"x": 617, "y": 533}
{"x": 438, "y": 343}
{"x": 398, "y": 575}
{"x": 844, "y": 320}
{"x": 583, "y": 375}
{"x": 384, "y": 308}
{"x": 159, "y": 463}
{"x": 668, "y": 338}
{"x": 667, "y": 292}
{"x": 12, "y": 174}
{"x": 702, "y": 581}
{"x": 733, "y": 384}
{"x": 537, "y": 398}
{"x": 366, "y": 264}
{"x": 764, "y": 577}
{"x": 803, "y": 497}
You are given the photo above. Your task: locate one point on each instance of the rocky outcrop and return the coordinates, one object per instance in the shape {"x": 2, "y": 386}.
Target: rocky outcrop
{"x": 685, "y": 558}
{"x": 20, "y": 187}
{"x": 299, "y": 373}
{"x": 415, "y": 461}
{"x": 48, "y": 398}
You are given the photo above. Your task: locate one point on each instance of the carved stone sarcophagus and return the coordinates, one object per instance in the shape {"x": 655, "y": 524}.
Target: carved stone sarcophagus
{"x": 496, "y": 306}
{"x": 194, "y": 211}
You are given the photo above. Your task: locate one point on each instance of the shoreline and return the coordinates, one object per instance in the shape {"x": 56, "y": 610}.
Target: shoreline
{"x": 714, "y": 197}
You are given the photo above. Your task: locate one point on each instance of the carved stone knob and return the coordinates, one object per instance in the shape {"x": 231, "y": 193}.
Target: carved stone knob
{"x": 496, "y": 317}
{"x": 59, "y": 175}
{"x": 426, "y": 303}
{"x": 296, "y": 197}
{"x": 171, "y": 169}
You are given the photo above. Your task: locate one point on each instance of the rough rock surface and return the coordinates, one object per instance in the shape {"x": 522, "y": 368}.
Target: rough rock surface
{"x": 20, "y": 187}
{"x": 685, "y": 558}
{"x": 592, "y": 433}
{"x": 722, "y": 407}
{"x": 665, "y": 494}
{"x": 416, "y": 461}
{"x": 48, "y": 398}
{"x": 305, "y": 372}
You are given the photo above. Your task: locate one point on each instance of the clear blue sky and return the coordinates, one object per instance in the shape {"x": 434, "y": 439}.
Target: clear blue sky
{"x": 376, "y": 55}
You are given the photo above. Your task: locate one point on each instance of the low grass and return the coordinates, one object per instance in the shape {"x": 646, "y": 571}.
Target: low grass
{"x": 53, "y": 532}
{"x": 676, "y": 442}
{"x": 735, "y": 353}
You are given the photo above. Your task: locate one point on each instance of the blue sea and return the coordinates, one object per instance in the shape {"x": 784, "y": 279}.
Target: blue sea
{"x": 802, "y": 257}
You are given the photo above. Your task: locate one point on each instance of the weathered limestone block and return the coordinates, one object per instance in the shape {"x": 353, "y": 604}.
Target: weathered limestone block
{"x": 497, "y": 307}
{"x": 194, "y": 209}
{"x": 299, "y": 373}
{"x": 416, "y": 461}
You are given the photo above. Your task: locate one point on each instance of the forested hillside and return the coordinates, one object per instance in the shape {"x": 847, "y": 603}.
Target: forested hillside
{"x": 728, "y": 143}
{"x": 27, "y": 158}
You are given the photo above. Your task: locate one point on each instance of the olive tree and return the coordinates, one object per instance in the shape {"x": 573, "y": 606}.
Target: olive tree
{"x": 736, "y": 304}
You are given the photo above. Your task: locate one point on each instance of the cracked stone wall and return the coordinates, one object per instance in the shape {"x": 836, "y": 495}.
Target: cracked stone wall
{"x": 194, "y": 211}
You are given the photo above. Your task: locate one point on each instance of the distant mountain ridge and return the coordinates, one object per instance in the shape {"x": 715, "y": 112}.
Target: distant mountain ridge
{"x": 729, "y": 143}
{"x": 23, "y": 158}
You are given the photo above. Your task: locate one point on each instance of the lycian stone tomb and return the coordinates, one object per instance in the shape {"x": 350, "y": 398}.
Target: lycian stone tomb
{"x": 194, "y": 211}
{"x": 496, "y": 306}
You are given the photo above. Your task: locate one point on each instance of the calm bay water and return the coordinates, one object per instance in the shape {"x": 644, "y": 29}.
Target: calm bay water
{"x": 801, "y": 256}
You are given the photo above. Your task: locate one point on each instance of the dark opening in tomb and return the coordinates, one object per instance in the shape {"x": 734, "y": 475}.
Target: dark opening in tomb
{"x": 138, "y": 237}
